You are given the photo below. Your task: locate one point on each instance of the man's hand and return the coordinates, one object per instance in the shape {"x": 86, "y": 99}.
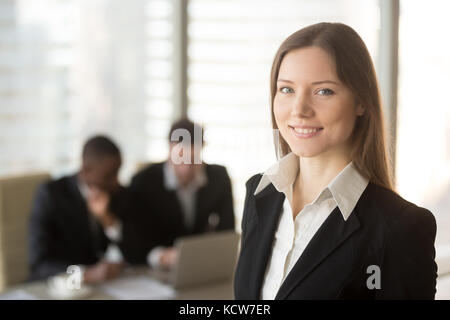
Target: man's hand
{"x": 98, "y": 205}
{"x": 101, "y": 272}
{"x": 168, "y": 258}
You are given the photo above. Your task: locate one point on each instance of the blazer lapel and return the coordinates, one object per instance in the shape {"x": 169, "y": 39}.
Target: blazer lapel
{"x": 202, "y": 203}
{"x": 175, "y": 210}
{"x": 268, "y": 208}
{"x": 333, "y": 232}
{"x": 82, "y": 221}
{"x": 76, "y": 193}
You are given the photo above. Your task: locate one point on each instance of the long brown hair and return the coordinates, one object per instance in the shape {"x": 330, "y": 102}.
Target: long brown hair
{"x": 355, "y": 69}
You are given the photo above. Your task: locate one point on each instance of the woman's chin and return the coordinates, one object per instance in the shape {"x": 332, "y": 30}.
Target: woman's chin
{"x": 306, "y": 152}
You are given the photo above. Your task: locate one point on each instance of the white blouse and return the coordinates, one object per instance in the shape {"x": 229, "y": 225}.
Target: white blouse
{"x": 292, "y": 236}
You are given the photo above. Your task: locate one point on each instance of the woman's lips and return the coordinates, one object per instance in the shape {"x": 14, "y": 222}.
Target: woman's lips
{"x": 305, "y": 132}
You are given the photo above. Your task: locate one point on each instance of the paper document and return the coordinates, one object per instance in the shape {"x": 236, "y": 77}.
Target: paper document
{"x": 137, "y": 288}
{"x": 17, "y": 295}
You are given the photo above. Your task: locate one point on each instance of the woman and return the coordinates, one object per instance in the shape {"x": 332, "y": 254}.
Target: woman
{"x": 324, "y": 222}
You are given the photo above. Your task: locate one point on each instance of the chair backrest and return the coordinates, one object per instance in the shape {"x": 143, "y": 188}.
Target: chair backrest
{"x": 16, "y": 197}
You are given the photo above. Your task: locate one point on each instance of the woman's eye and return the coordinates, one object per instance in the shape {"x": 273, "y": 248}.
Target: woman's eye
{"x": 286, "y": 90}
{"x": 325, "y": 92}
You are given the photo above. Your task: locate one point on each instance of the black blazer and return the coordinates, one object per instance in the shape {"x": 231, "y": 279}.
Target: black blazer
{"x": 158, "y": 215}
{"x": 383, "y": 230}
{"x": 60, "y": 231}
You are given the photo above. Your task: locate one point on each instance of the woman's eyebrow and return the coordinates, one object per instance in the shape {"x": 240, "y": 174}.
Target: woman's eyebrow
{"x": 325, "y": 81}
{"x": 283, "y": 80}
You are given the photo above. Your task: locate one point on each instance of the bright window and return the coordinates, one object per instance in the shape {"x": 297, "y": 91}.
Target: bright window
{"x": 423, "y": 144}
{"x": 73, "y": 68}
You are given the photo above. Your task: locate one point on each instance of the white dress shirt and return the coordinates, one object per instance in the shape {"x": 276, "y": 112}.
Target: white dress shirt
{"x": 187, "y": 199}
{"x": 293, "y": 235}
{"x": 185, "y": 195}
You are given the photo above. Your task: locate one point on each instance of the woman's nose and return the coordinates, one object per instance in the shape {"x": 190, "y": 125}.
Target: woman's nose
{"x": 301, "y": 107}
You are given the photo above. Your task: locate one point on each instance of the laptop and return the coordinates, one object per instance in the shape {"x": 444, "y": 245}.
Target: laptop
{"x": 205, "y": 258}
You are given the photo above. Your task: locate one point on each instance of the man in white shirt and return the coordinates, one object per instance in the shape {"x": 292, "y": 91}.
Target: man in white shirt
{"x": 179, "y": 197}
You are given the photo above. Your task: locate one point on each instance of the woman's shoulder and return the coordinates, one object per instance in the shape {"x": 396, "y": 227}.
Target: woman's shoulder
{"x": 258, "y": 183}
{"x": 392, "y": 208}
{"x": 253, "y": 181}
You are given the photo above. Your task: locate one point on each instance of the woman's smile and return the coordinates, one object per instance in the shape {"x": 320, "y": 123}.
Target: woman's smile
{"x": 305, "y": 132}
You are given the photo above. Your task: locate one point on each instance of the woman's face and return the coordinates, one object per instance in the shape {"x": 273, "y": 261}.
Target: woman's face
{"x": 314, "y": 111}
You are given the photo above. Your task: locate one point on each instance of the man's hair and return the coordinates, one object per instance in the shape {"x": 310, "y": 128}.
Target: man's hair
{"x": 99, "y": 146}
{"x": 188, "y": 125}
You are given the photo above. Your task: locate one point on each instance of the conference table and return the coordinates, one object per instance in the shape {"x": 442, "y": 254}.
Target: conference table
{"x": 136, "y": 283}
{"x": 222, "y": 290}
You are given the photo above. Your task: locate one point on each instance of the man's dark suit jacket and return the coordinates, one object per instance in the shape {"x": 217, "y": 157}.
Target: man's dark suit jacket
{"x": 158, "y": 213}
{"x": 61, "y": 232}
{"x": 383, "y": 230}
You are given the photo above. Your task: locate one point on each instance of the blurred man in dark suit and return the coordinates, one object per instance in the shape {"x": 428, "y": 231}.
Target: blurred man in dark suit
{"x": 179, "y": 197}
{"x": 73, "y": 220}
